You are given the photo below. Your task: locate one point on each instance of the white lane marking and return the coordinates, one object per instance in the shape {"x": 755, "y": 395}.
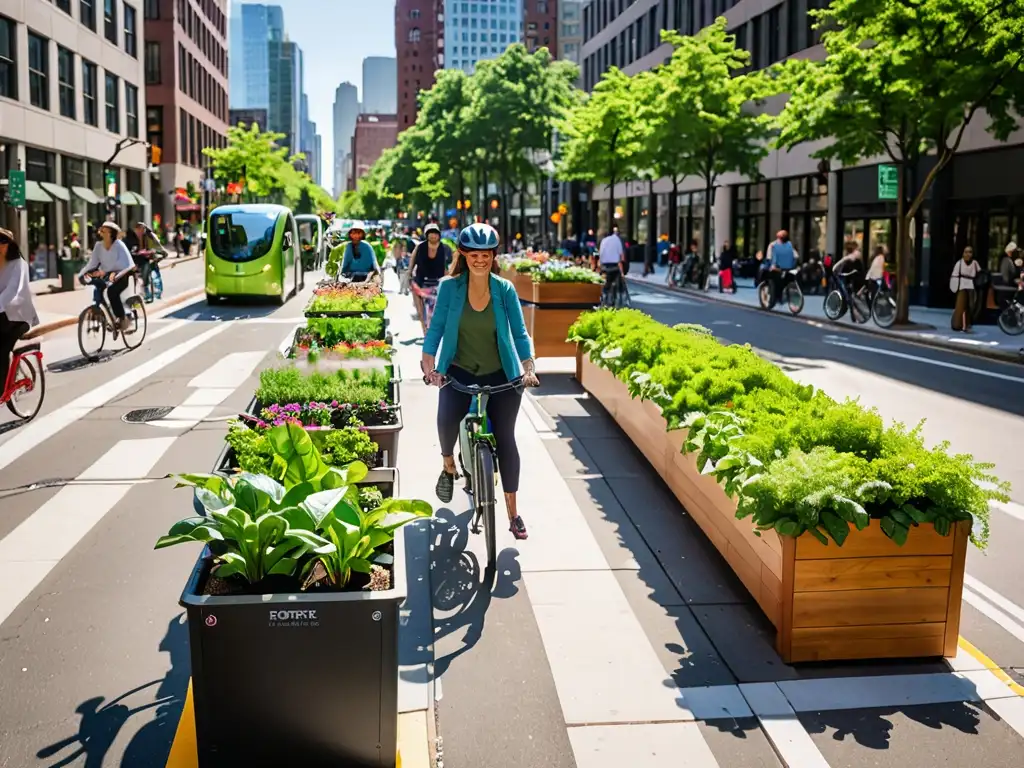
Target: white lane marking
{"x": 533, "y": 414}
{"x": 45, "y": 427}
{"x": 44, "y": 538}
{"x": 1009, "y": 507}
{"x": 211, "y": 396}
{"x": 987, "y": 592}
{"x": 171, "y": 327}
{"x": 1010, "y": 711}
{"x": 780, "y": 723}
{"x": 939, "y": 363}
{"x": 230, "y": 371}
{"x": 641, "y": 745}
{"x": 986, "y": 608}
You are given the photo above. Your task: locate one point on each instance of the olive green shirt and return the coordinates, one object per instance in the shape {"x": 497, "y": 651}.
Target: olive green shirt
{"x": 477, "y": 351}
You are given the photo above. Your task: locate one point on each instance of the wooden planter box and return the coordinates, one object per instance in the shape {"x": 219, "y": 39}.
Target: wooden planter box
{"x": 585, "y": 295}
{"x": 548, "y": 327}
{"x": 523, "y": 281}
{"x": 868, "y": 599}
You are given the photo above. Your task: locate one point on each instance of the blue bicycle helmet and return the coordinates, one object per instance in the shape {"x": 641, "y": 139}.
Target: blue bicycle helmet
{"x": 478, "y": 237}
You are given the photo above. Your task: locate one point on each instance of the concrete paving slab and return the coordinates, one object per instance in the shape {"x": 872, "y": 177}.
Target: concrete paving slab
{"x": 641, "y": 746}
{"x": 739, "y": 743}
{"x": 603, "y": 664}
{"x": 615, "y": 457}
{"x": 581, "y": 416}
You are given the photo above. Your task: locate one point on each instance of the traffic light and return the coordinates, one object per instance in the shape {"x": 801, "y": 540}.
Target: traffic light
{"x": 155, "y": 154}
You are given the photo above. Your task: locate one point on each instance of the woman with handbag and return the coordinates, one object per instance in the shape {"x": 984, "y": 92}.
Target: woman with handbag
{"x": 961, "y": 283}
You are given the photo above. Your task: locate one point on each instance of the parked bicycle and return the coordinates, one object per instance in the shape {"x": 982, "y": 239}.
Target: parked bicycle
{"x": 98, "y": 319}
{"x": 790, "y": 293}
{"x": 1011, "y": 319}
{"x": 26, "y": 382}
{"x": 874, "y": 300}
{"x": 478, "y": 458}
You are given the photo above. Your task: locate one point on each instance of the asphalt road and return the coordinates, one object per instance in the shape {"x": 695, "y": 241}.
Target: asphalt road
{"x": 613, "y": 636}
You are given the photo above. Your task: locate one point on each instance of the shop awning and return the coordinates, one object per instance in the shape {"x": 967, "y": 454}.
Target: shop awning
{"x": 34, "y": 193}
{"x": 87, "y": 194}
{"x": 61, "y": 193}
{"x": 133, "y": 198}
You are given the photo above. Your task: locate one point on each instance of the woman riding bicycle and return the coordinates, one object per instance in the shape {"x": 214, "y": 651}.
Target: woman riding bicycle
{"x": 144, "y": 245}
{"x": 485, "y": 343}
{"x": 17, "y": 312}
{"x": 110, "y": 258}
{"x": 359, "y": 262}
{"x": 430, "y": 260}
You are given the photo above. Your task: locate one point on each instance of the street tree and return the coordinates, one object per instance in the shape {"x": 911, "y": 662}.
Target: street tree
{"x": 448, "y": 143}
{"x": 902, "y": 81}
{"x": 719, "y": 131}
{"x": 602, "y": 137}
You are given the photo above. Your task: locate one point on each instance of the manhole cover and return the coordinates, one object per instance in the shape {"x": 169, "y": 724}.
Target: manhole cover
{"x": 143, "y": 415}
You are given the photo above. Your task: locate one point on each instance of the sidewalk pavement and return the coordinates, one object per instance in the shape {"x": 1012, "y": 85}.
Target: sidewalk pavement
{"x": 931, "y": 325}
{"x": 183, "y": 280}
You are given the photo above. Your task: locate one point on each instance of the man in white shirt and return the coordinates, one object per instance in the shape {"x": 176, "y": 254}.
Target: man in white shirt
{"x": 612, "y": 256}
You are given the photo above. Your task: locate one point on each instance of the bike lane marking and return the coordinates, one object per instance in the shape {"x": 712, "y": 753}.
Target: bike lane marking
{"x": 44, "y": 427}
{"x": 30, "y": 551}
{"x": 928, "y": 361}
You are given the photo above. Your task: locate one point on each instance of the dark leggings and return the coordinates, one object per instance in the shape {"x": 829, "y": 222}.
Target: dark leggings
{"x": 10, "y": 332}
{"x": 502, "y": 410}
{"x": 114, "y": 291}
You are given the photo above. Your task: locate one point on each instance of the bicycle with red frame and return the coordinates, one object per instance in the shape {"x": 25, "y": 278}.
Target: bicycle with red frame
{"x": 26, "y": 382}
{"x": 427, "y": 295}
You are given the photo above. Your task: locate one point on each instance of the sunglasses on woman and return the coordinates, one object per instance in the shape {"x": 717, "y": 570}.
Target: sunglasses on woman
{"x": 5, "y": 240}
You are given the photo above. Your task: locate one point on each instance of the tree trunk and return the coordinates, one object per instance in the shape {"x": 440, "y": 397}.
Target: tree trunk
{"x": 652, "y": 223}
{"x": 709, "y": 191}
{"x": 522, "y": 208}
{"x": 673, "y": 213}
{"x": 461, "y": 192}
{"x": 611, "y": 206}
{"x": 903, "y": 251}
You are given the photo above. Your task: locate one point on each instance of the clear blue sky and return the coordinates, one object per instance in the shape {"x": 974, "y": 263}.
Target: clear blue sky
{"x": 335, "y": 37}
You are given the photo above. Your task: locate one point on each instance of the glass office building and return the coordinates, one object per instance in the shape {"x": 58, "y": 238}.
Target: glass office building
{"x": 480, "y": 30}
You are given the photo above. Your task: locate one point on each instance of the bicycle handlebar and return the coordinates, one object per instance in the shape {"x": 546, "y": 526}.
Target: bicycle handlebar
{"x": 476, "y": 389}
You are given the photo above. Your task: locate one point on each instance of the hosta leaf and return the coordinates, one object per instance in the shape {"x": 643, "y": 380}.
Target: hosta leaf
{"x": 837, "y": 528}
{"x": 298, "y": 518}
{"x": 902, "y": 518}
{"x": 215, "y": 483}
{"x": 209, "y": 501}
{"x": 266, "y": 486}
{"x": 788, "y": 527}
{"x": 818, "y": 535}
{"x": 230, "y": 564}
{"x": 297, "y": 494}
{"x": 360, "y": 565}
{"x": 286, "y": 566}
{"x": 943, "y": 526}
{"x": 320, "y": 505}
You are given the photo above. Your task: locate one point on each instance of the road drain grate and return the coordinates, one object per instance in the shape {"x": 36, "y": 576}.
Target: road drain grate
{"x": 143, "y": 415}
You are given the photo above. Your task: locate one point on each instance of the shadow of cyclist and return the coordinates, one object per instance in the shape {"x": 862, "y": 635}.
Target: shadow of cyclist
{"x": 462, "y": 589}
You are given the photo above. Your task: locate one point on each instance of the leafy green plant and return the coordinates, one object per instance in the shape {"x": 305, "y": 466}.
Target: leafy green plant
{"x": 331, "y": 331}
{"x": 763, "y": 436}
{"x": 347, "y": 298}
{"x": 291, "y": 385}
{"x": 566, "y": 274}
{"x": 246, "y": 526}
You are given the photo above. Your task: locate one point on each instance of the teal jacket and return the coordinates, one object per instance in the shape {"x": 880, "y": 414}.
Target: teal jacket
{"x": 514, "y": 344}
{"x": 363, "y": 264}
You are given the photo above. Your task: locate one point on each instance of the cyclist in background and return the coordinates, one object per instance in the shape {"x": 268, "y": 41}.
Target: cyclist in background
{"x": 613, "y": 260}
{"x": 781, "y": 257}
{"x": 849, "y": 271}
{"x": 430, "y": 260}
{"x": 17, "y": 312}
{"x": 359, "y": 262}
{"x": 109, "y": 258}
{"x": 143, "y": 244}
{"x": 478, "y": 325}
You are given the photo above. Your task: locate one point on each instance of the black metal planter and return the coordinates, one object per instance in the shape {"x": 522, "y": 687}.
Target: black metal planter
{"x": 297, "y": 679}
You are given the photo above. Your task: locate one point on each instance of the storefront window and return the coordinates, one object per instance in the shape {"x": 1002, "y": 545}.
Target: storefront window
{"x": 643, "y": 222}
{"x": 750, "y": 203}
{"x": 806, "y": 204}
{"x": 853, "y": 231}
{"x": 1002, "y": 229}
{"x": 882, "y": 232}
{"x": 664, "y": 227}
{"x": 75, "y": 176}
{"x": 39, "y": 166}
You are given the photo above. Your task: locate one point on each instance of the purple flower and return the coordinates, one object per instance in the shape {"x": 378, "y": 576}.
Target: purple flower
{"x": 334, "y": 403}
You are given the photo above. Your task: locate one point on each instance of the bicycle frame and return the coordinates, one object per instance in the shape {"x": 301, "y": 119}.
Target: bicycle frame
{"x": 13, "y": 385}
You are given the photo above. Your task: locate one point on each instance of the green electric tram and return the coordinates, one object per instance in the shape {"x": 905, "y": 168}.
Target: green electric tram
{"x": 252, "y": 251}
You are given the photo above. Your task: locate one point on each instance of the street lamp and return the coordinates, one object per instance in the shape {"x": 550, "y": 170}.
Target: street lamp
{"x": 112, "y": 195}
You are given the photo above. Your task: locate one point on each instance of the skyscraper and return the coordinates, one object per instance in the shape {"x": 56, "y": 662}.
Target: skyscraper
{"x": 252, "y": 28}
{"x": 285, "y": 91}
{"x": 540, "y": 24}
{"x": 380, "y": 82}
{"x": 419, "y": 40}
{"x": 481, "y": 30}
{"x": 570, "y": 29}
{"x": 346, "y": 110}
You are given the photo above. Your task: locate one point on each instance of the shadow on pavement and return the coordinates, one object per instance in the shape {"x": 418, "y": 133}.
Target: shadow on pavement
{"x": 462, "y": 589}
{"x": 101, "y": 721}
{"x": 873, "y": 728}
{"x": 78, "y": 362}
{"x": 199, "y": 311}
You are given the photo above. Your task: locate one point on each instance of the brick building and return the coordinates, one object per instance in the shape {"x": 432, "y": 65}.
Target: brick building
{"x": 540, "y": 25}
{"x": 419, "y": 40}
{"x": 186, "y": 66}
{"x": 374, "y": 134}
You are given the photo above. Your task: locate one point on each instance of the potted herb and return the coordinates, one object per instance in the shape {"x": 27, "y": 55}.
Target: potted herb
{"x": 293, "y": 611}
{"x": 804, "y": 497}
{"x": 249, "y": 449}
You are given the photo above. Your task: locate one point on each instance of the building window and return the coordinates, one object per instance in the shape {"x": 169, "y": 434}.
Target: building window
{"x": 774, "y": 34}
{"x": 131, "y": 110}
{"x": 182, "y": 68}
{"x": 65, "y": 5}
{"x": 130, "y": 40}
{"x": 66, "y": 78}
{"x": 8, "y": 65}
{"x": 90, "y": 112}
{"x": 183, "y": 135}
{"x": 151, "y": 9}
{"x": 87, "y": 13}
{"x": 153, "y": 76}
{"x": 414, "y": 35}
{"x": 750, "y": 202}
{"x": 155, "y": 127}
{"x": 113, "y": 112}
{"x": 38, "y": 71}
{"x": 414, "y": 13}
{"x": 110, "y": 20}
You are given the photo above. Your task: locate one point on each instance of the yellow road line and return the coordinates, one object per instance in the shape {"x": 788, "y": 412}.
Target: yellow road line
{"x": 184, "y": 752}
{"x": 991, "y": 666}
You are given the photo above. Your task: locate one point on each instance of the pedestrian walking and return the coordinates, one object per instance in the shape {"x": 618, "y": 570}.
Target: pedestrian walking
{"x": 961, "y": 283}
{"x": 725, "y": 261}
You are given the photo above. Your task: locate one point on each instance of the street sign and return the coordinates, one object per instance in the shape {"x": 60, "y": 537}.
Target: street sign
{"x": 16, "y": 188}
{"x": 888, "y": 182}
{"x": 110, "y": 180}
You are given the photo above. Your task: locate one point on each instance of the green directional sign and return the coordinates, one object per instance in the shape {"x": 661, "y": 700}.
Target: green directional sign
{"x": 888, "y": 182}
{"x": 16, "y": 188}
{"x": 110, "y": 179}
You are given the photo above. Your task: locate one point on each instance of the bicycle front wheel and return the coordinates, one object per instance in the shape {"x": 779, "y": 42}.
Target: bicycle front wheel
{"x": 135, "y": 311}
{"x": 834, "y": 305}
{"x": 1011, "y": 320}
{"x": 92, "y": 332}
{"x": 794, "y": 299}
{"x": 28, "y": 399}
{"x": 764, "y": 295}
{"x": 883, "y": 307}
{"x": 483, "y": 488}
